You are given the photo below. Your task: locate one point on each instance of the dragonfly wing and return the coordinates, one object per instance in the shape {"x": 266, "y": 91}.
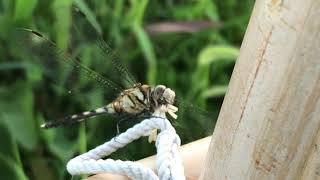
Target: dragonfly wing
{"x": 191, "y": 114}
{"x": 84, "y": 31}
{"x": 70, "y": 70}
{"x": 64, "y": 73}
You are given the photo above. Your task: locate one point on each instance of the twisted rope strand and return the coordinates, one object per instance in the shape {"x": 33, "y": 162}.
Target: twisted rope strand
{"x": 169, "y": 163}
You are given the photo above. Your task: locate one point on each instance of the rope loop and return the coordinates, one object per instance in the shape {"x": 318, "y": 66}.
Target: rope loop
{"x": 168, "y": 161}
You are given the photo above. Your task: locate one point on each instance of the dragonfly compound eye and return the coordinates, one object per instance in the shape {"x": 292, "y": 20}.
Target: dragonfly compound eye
{"x": 169, "y": 95}
{"x": 159, "y": 90}
{"x": 163, "y": 95}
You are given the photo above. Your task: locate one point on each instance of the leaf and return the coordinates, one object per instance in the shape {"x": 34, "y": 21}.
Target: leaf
{"x": 17, "y": 113}
{"x": 210, "y": 9}
{"x": 57, "y": 143}
{"x": 63, "y": 22}
{"x": 8, "y": 148}
{"x": 196, "y": 10}
{"x": 147, "y": 49}
{"x": 14, "y": 65}
{"x": 10, "y": 164}
{"x": 217, "y": 52}
{"x": 62, "y": 148}
{"x": 5, "y": 24}
{"x": 136, "y": 12}
{"x": 24, "y": 9}
{"x": 7, "y": 6}
{"x": 215, "y": 91}
{"x": 41, "y": 168}
{"x": 34, "y": 74}
{"x": 206, "y": 57}
{"x": 10, "y": 170}
{"x": 89, "y": 14}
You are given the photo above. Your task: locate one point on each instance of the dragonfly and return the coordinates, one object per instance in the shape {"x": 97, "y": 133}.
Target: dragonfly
{"x": 135, "y": 100}
{"x": 139, "y": 99}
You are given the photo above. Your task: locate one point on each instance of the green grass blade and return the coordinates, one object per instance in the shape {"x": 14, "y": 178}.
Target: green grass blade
{"x": 24, "y": 9}
{"x": 147, "y": 49}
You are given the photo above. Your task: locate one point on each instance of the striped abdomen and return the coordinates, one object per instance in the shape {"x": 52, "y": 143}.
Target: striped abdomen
{"x": 131, "y": 101}
{"x": 79, "y": 117}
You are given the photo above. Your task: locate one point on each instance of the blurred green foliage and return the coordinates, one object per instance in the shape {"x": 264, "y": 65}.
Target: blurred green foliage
{"x": 196, "y": 65}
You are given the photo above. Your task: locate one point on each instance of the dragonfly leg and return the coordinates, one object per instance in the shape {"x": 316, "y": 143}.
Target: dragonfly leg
{"x": 135, "y": 117}
{"x": 121, "y": 121}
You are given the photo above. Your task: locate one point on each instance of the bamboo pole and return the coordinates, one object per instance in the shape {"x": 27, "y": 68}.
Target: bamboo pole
{"x": 269, "y": 124}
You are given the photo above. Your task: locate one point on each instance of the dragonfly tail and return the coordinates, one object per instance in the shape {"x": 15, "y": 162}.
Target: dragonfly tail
{"x": 76, "y": 117}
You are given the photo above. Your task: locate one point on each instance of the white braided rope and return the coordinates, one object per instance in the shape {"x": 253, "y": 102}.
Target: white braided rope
{"x": 169, "y": 164}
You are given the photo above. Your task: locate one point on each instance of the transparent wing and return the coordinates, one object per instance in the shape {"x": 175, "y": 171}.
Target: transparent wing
{"x": 55, "y": 61}
{"x": 201, "y": 119}
{"x": 85, "y": 32}
{"x": 68, "y": 73}
{"x": 64, "y": 74}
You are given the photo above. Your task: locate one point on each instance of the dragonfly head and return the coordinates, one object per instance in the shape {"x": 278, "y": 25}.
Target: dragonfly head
{"x": 163, "y": 99}
{"x": 163, "y": 95}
